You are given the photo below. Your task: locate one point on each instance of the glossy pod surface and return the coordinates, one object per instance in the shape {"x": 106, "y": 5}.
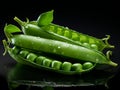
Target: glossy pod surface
{"x": 44, "y": 28}
{"x": 39, "y": 42}
{"x": 60, "y": 48}
{"x": 44, "y": 20}
{"x": 77, "y": 37}
{"x": 38, "y": 61}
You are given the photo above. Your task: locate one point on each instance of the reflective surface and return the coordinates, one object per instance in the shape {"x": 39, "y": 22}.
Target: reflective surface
{"x": 15, "y": 76}
{"x": 21, "y": 75}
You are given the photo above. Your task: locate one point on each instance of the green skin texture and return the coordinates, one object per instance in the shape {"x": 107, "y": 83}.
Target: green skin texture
{"x": 60, "y": 48}
{"x": 34, "y": 30}
{"x": 76, "y": 37}
{"x": 15, "y": 54}
{"x": 41, "y": 28}
{"x": 68, "y": 45}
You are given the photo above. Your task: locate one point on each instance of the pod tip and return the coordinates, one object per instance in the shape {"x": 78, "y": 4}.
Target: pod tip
{"x": 113, "y": 63}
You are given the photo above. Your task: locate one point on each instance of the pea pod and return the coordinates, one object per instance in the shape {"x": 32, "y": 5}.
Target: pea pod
{"x": 79, "y": 38}
{"x": 42, "y": 62}
{"x": 59, "y": 48}
{"x": 57, "y": 32}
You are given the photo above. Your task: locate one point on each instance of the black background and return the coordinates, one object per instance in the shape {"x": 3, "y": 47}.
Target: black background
{"x": 96, "y": 18}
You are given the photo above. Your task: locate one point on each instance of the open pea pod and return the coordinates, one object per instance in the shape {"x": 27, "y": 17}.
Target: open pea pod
{"x": 39, "y": 61}
{"x": 78, "y": 53}
{"x": 43, "y": 27}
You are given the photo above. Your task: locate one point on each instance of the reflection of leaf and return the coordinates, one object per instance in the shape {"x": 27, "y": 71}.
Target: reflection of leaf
{"x": 24, "y": 75}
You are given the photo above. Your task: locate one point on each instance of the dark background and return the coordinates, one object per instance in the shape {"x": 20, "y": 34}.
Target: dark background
{"x": 96, "y": 18}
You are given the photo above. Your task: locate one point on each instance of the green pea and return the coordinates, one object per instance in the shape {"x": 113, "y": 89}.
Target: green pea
{"x": 60, "y": 31}
{"x": 83, "y": 38}
{"x": 94, "y": 46}
{"x": 24, "y": 53}
{"x": 87, "y": 65}
{"x": 66, "y": 66}
{"x": 67, "y": 34}
{"x": 76, "y": 67}
{"x": 47, "y": 62}
{"x": 86, "y": 45}
{"x": 39, "y": 60}
{"x": 31, "y": 57}
{"x": 92, "y": 41}
{"x": 52, "y": 29}
{"x": 56, "y": 65}
{"x": 75, "y": 36}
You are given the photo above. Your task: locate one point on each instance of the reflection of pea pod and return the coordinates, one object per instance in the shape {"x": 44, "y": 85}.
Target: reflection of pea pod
{"x": 44, "y": 28}
{"x": 39, "y": 61}
{"x": 23, "y": 75}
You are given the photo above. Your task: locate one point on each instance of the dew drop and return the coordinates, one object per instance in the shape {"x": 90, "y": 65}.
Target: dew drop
{"x": 59, "y": 47}
{"x": 66, "y": 28}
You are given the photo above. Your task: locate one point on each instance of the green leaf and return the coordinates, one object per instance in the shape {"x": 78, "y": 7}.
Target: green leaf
{"x": 9, "y": 29}
{"x": 45, "y": 18}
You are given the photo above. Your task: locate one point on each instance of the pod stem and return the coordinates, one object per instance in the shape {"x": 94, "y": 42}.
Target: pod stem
{"x": 5, "y": 47}
{"x": 107, "y": 45}
{"x": 108, "y": 53}
{"x": 20, "y": 22}
{"x": 113, "y": 63}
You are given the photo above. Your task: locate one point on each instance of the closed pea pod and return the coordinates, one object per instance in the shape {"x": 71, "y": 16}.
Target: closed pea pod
{"x": 47, "y": 63}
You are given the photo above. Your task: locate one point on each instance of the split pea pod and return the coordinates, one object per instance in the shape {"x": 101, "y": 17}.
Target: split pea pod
{"x": 60, "y": 48}
{"x": 79, "y": 38}
{"x": 26, "y": 57}
{"x": 53, "y": 31}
